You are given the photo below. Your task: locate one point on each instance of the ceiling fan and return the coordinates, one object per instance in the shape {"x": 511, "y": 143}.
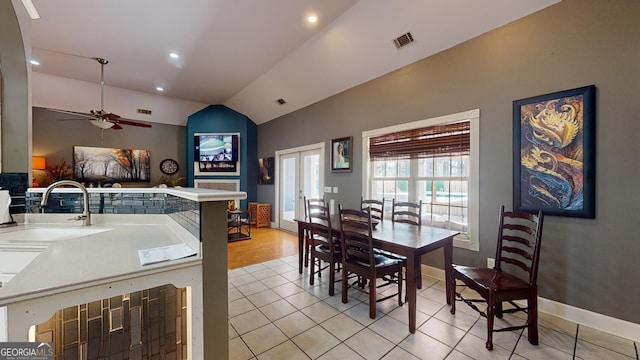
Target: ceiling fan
{"x": 101, "y": 118}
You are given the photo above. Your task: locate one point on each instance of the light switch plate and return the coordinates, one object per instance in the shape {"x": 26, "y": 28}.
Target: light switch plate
{"x": 327, "y": 189}
{"x": 335, "y": 189}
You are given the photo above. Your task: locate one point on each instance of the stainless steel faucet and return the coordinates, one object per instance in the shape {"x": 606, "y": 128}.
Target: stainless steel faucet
{"x": 86, "y": 214}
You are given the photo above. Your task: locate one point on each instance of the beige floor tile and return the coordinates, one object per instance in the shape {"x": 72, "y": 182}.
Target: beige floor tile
{"x": 287, "y": 350}
{"x": 342, "y": 326}
{"x": 540, "y": 351}
{"x": 320, "y": 312}
{"x": 606, "y": 340}
{"x": 236, "y": 272}
{"x": 553, "y": 338}
{"x": 277, "y": 309}
{"x": 429, "y": 307}
{"x": 248, "y": 321}
{"x": 287, "y": 289}
{"x": 402, "y": 314}
{"x": 264, "y": 273}
{"x": 360, "y": 313}
{"x": 252, "y": 288}
{"x": 235, "y": 294}
{"x": 369, "y": 344}
{"x": 242, "y": 280}
{"x": 264, "y": 338}
{"x": 263, "y": 298}
{"x": 425, "y": 347}
{"x": 441, "y": 331}
{"x": 507, "y": 339}
{"x": 391, "y": 329}
{"x": 558, "y": 324}
{"x": 315, "y": 341}
{"x": 294, "y": 324}
{"x": 457, "y": 355}
{"x": 433, "y": 294}
{"x": 302, "y": 299}
{"x": 240, "y": 306}
{"x": 341, "y": 352}
{"x": 254, "y": 268}
{"x": 336, "y": 302}
{"x": 399, "y": 353}
{"x": 274, "y": 281}
{"x": 474, "y": 347}
{"x": 588, "y": 351}
{"x": 460, "y": 320}
{"x": 238, "y": 350}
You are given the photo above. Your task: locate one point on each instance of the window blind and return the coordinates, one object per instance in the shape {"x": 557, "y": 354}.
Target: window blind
{"x": 433, "y": 141}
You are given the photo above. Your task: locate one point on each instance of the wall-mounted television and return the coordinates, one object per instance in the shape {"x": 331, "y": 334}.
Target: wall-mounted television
{"x": 216, "y": 147}
{"x": 216, "y": 154}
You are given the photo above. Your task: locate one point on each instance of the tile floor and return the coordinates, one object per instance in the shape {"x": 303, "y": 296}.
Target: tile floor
{"x": 275, "y": 314}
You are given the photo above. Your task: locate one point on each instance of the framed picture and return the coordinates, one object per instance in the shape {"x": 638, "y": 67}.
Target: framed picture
{"x": 265, "y": 171}
{"x": 554, "y": 153}
{"x": 341, "y": 154}
{"x": 107, "y": 165}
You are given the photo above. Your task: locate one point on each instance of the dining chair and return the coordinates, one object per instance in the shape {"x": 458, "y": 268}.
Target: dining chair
{"x": 376, "y": 207}
{"x": 514, "y": 276}
{"x": 406, "y": 212}
{"x": 359, "y": 257}
{"x": 324, "y": 245}
{"x": 307, "y": 241}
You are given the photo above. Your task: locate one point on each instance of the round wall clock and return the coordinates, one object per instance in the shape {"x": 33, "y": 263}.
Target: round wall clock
{"x": 169, "y": 166}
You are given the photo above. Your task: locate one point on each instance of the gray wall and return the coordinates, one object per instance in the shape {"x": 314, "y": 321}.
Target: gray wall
{"x": 55, "y": 140}
{"x": 590, "y": 264}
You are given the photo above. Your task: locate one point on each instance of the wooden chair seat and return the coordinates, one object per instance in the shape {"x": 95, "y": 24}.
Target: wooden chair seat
{"x": 492, "y": 280}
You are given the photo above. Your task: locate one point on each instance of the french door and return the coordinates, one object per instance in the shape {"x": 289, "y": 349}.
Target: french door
{"x": 300, "y": 174}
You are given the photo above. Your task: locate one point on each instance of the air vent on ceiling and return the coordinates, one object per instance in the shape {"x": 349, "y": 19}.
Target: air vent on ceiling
{"x": 143, "y": 111}
{"x": 403, "y": 40}
{"x": 281, "y": 101}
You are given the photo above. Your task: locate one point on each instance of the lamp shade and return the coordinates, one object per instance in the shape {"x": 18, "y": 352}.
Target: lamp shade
{"x": 38, "y": 163}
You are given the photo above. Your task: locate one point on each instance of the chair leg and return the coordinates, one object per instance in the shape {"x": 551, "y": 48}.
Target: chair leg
{"x": 400, "y": 287}
{"x": 532, "y": 318}
{"x": 452, "y": 294}
{"x": 345, "y": 284}
{"x": 332, "y": 278}
{"x": 312, "y": 273}
{"x": 490, "y": 315}
{"x": 372, "y": 298}
{"x": 499, "y": 310}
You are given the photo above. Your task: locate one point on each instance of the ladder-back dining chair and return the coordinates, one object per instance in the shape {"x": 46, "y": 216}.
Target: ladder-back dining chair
{"x": 376, "y": 207}
{"x": 406, "y": 212}
{"x": 359, "y": 257}
{"x": 307, "y": 241}
{"x": 514, "y": 276}
{"x": 325, "y": 245}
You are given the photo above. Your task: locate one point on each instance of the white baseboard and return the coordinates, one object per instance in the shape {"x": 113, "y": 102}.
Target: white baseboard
{"x": 611, "y": 325}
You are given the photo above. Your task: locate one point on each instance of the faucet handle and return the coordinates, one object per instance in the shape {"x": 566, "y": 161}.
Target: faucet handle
{"x": 77, "y": 218}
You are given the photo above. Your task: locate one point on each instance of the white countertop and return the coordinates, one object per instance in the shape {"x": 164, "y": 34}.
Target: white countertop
{"x": 195, "y": 194}
{"x": 96, "y": 258}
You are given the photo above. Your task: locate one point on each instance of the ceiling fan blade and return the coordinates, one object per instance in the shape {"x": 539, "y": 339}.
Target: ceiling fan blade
{"x": 132, "y": 123}
{"x": 85, "y": 115}
{"x": 111, "y": 116}
{"x": 116, "y": 127}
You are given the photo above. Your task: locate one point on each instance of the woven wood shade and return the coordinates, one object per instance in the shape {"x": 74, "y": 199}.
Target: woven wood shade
{"x": 432, "y": 141}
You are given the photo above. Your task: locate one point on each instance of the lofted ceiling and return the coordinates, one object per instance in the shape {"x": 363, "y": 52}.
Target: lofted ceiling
{"x": 246, "y": 54}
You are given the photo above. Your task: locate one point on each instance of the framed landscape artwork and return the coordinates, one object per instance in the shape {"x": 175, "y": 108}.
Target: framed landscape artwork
{"x": 554, "y": 153}
{"x": 107, "y": 165}
{"x": 341, "y": 154}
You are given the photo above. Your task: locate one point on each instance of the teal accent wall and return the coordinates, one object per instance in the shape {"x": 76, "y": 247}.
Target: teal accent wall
{"x": 221, "y": 119}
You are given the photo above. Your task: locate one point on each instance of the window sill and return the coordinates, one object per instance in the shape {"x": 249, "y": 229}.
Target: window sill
{"x": 464, "y": 242}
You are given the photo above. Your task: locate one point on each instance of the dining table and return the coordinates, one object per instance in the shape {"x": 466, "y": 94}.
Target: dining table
{"x": 407, "y": 240}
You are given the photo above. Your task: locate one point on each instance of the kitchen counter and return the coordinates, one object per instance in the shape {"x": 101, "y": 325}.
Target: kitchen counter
{"x": 110, "y": 252}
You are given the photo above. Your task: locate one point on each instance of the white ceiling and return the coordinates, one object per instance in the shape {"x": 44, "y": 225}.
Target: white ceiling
{"x": 246, "y": 54}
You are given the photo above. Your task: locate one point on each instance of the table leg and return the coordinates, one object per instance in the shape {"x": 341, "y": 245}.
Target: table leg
{"x": 412, "y": 263}
{"x": 448, "y": 260}
{"x": 300, "y": 246}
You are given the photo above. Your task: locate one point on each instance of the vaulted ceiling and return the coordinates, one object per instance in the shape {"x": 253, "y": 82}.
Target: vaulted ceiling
{"x": 247, "y": 54}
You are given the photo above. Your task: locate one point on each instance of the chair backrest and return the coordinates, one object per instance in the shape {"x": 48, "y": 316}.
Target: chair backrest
{"x": 357, "y": 242}
{"x": 518, "y": 249}
{"x": 406, "y": 212}
{"x": 318, "y": 201}
{"x": 319, "y": 220}
{"x": 375, "y": 207}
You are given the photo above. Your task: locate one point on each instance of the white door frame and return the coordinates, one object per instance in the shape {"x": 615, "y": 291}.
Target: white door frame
{"x": 278, "y": 155}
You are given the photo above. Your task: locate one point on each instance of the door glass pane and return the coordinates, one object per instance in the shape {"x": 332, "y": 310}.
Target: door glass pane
{"x": 288, "y": 188}
{"x": 311, "y": 176}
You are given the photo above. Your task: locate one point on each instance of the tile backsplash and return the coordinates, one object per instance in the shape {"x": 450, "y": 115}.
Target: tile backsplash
{"x": 183, "y": 211}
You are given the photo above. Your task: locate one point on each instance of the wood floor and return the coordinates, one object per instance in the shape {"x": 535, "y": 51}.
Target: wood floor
{"x": 265, "y": 244}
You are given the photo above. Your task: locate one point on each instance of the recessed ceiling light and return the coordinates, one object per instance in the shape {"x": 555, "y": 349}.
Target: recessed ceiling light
{"x": 174, "y": 55}
{"x": 159, "y": 88}
{"x": 312, "y": 19}
{"x": 34, "y": 62}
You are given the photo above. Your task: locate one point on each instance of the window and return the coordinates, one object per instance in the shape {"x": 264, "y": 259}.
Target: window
{"x": 432, "y": 160}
